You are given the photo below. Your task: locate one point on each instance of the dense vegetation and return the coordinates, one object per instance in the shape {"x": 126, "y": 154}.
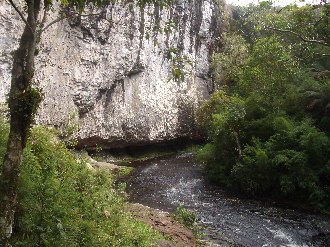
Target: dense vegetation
{"x": 268, "y": 124}
{"x": 63, "y": 203}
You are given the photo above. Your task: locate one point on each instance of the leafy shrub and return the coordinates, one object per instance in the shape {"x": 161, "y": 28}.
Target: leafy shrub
{"x": 288, "y": 165}
{"x": 261, "y": 153}
{"x": 228, "y": 64}
{"x": 185, "y": 217}
{"x": 261, "y": 138}
{"x": 252, "y": 175}
{"x": 224, "y": 128}
{"x": 63, "y": 203}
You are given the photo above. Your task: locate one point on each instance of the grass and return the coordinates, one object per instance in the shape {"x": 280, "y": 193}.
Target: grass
{"x": 63, "y": 203}
{"x": 185, "y": 216}
{"x": 188, "y": 218}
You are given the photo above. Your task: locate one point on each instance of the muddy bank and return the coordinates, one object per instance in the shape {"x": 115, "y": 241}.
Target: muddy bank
{"x": 178, "y": 234}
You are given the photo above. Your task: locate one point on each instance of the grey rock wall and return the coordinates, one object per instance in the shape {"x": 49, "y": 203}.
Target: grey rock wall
{"x": 101, "y": 72}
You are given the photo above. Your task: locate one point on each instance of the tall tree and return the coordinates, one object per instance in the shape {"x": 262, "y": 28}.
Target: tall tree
{"x": 23, "y": 102}
{"x": 24, "y": 99}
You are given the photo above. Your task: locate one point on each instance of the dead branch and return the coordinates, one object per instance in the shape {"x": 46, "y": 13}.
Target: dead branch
{"x": 319, "y": 42}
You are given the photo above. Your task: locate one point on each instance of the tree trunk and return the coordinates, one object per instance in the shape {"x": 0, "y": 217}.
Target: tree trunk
{"x": 238, "y": 143}
{"x": 23, "y": 102}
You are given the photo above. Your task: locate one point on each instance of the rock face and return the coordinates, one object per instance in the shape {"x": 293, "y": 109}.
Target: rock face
{"x": 108, "y": 75}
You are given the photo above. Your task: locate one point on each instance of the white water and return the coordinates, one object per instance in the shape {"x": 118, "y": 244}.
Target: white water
{"x": 226, "y": 220}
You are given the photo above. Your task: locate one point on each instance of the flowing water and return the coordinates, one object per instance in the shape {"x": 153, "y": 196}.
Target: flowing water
{"x": 226, "y": 220}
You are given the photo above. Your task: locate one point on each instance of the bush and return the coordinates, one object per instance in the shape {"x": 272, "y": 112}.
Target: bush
{"x": 262, "y": 141}
{"x": 259, "y": 153}
{"x": 288, "y": 165}
{"x": 252, "y": 175}
{"x": 185, "y": 217}
{"x": 224, "y": 128}
{"x": 62, "y": 203}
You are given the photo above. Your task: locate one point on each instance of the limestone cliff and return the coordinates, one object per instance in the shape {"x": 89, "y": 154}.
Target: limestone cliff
{"x": 104, "y": 74}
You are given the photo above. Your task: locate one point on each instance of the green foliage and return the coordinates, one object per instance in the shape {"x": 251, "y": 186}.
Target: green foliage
{"x": 124, "y": 170}
{"x": 226, "y": 114}
{"x": 269, "y": 71}
{"x": 304, "y": 30}
{"x": 288, "y": 164}
{"x": 228, "y": 64}
{"x": 247, "y": 21}
{"x": 161, "y": 3}
{"x": 220, "y": 111}
{"x": 185, "y": 217}
{"x": 70, "y": 130}
{"x": 26, "y": 104}
{"x": 63, "y": 203}
{"x": 252, "y": 175}
{"x": 280, "y": 156}
{"x": 268, "y": 135}
{"x": 4, "y": 132}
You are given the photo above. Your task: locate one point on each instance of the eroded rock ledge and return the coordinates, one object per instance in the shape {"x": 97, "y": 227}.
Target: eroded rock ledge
{"x": 102, "y": 76}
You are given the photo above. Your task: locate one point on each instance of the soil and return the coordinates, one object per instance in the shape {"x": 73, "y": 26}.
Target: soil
{"x": 180, "y": 236}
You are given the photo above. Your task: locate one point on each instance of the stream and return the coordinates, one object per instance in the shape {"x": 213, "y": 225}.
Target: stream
{"x": 225, "y": 220}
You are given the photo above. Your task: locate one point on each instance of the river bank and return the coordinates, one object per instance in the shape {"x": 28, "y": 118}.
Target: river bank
{"x": 228, "y": 221}
{"x": 175, "y": 233}
{"x": 178, "y": 235}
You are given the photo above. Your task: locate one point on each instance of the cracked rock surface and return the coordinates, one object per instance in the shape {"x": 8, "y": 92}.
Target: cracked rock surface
{"x": 107, "y": 74}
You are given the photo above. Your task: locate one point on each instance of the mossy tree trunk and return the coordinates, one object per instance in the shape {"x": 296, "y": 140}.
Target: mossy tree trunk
{"x": 23, "y": 102}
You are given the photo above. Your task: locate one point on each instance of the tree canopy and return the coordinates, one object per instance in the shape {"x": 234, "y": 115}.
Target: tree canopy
{"x": 268, "y": 126}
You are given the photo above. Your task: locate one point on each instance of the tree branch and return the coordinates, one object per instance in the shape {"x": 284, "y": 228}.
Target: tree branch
{"x": 42, "y": 24}
{"x": 319, "y": 42}
{"x": 62, "y": 18}
{"x": 20, "y": 14}
{"x": 52, "y": 23}
{"x": 322, "y": 54}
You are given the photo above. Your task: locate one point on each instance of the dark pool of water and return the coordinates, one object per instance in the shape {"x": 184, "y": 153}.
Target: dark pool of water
{"x": 225, "y": 220}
